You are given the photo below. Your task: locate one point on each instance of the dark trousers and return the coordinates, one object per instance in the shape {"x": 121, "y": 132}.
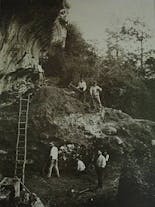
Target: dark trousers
{"x": 99, "y": 171}
{"x": 82, "y": 95}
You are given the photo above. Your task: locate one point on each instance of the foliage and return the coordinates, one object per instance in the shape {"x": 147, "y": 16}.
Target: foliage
{"x": 135, "y": 28}
{"x": 80, "y": 57}
{"x": 117, "y": 73}
{"x": 76, "y": 60}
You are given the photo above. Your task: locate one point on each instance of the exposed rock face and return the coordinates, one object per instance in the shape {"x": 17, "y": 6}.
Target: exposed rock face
{"x": 32, "y": 28}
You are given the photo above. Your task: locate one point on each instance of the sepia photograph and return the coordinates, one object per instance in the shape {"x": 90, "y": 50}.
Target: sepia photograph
{"x": 77, "y": 103}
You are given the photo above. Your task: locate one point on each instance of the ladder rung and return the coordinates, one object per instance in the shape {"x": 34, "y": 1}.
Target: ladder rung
{"x": 20, "y": 161}
{"x": 24, "y": 99}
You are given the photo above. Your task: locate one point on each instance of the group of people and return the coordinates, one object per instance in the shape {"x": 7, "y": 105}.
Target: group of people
{"x": 94, "y": 91}
{"x": 100, "y": 161}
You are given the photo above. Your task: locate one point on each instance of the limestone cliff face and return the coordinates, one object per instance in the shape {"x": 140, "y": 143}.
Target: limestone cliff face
{"x": 32, "y": 29}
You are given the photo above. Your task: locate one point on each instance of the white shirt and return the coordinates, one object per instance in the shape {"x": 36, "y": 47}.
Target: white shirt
{"x": 22, "y": 88}
{"x": 94, "y": 90}
{"x": 107, "y": 157}
{"x": 40, "y": 70}
{"x": 82, "y": 85}
{"x": 54, "y": 153}
{"x": 17, "y": 188}
{"x": 81, "y": 166}
{"x": 101, "y": 161}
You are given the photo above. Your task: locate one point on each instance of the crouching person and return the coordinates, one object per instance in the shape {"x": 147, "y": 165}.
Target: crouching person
{"x": 80, "y": 167}
{"x": 53, "y": 160}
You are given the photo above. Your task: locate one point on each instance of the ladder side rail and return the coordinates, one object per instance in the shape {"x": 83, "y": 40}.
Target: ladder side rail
{"x": 18, "y": 136}
{"x": 26, "y": 128}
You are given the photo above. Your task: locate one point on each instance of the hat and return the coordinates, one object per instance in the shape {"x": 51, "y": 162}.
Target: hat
{"x": 51, "y": 143}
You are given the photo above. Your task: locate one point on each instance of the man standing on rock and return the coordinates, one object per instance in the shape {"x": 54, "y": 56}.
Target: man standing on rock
{"x": 95, "y": 94}
{"x": 53, "y": 160}
{"x": 82, "y": 87}
{"x": 100, "y": 165}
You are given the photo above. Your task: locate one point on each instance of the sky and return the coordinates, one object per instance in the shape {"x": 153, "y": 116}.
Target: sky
{"x": 93, "y": 17}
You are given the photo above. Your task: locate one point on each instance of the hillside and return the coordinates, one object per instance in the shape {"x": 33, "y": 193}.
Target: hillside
{"x": 37, "y": 32}
{"x": 56, "y": 116}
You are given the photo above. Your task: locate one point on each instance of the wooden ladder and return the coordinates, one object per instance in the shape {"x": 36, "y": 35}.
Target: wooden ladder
{"x": 21, "y": 145}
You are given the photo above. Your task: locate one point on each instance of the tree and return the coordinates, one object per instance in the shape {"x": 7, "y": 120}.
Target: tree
{"x": 136, "y": 30}
{"x": 150, "y": 67}
{"x": 77, "y": 59}
{"x": 114, "y": 39}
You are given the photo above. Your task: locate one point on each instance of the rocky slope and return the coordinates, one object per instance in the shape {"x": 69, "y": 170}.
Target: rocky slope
{"x": 37, "y": 27}
{"x": 57, "y": 116}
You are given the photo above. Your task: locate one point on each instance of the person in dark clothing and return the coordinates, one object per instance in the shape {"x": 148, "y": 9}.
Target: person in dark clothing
{"x": 100, "y": 165}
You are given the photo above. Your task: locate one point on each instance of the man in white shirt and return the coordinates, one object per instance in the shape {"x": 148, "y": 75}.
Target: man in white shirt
{"x": 95, "y": 94}
{"x": 41, "y": 75}
{"x": 100, "y": 165}
{"x": 53, "y": 160}
{"x": 82, "y": 87}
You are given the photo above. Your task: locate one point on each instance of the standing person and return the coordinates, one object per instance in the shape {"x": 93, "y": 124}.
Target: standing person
{"x": 22, "y": 88}
{"x": 53, "y": 160}
{"x": 95, "y": 94}
{"x": 100, "y": 165}
{"x": 82, "y": 87}
{"x": 41, "y": 75}
{"x": 38, "y": 70}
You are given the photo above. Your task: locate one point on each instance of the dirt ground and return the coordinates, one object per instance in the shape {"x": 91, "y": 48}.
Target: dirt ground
{"x": 64, "y": 191}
